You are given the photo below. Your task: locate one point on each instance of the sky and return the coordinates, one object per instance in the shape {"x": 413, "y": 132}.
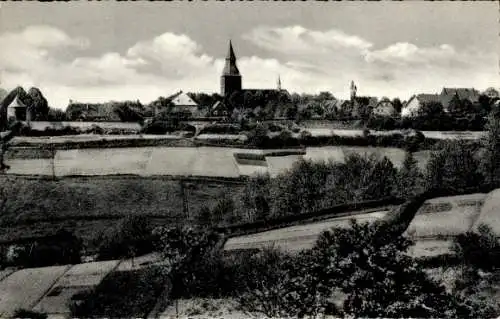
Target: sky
{"x": 101, "y": 51}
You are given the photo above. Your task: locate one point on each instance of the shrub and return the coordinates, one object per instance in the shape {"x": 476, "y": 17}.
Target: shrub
{"x": 132, "y": 236}
{"x": 122, "y": 294}
{"x": 194, "y": 257}
{"x": 221, "y": 129}
{"x": 25, "y": 314}
{"x": 366, "y": 270}
{"x": 480, "y": 249}
{"x": 59, "y": 249}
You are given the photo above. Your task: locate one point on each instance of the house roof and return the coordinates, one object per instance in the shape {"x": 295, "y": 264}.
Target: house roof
{"x": 16, "y": 103}
{"x": 428, "y": 98}
{"x": 182, "y": 99}
{"x": 462, "y": 93}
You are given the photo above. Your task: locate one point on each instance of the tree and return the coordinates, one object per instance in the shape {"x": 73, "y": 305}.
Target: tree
{"x": 434, "y": 173}
{"x": 56, "y": 115}
{"x": 39, "y": 106}
{"x": 409, "y": 177}
{"x": 129, "y": 238}
{"x": 364, "y": 268}
{"x": 453, "y": 167}
{"x": 490, "y": 161}
{"x": 397, "y": 105}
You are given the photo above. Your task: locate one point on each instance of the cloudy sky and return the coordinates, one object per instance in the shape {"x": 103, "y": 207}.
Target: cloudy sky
{"x": 142, "y": 50}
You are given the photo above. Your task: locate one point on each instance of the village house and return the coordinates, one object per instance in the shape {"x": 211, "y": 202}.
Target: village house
{"x": 447, "y": 95}
{"x": 384, "y": 108}
{"x": 18, "y": 110}
{"x": 183, "y": 104}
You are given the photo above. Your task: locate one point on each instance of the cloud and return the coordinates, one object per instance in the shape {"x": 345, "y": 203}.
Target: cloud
{"x": 307, "y": 61}
{"x": 298, "y": 40}
{"x": 333, "y": 57}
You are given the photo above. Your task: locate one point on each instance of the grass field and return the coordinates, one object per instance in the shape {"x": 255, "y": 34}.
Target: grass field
{"x": 181, "y": 161}
{"x": 25, "y": 287}
{"x": 298, "y": 237}
{"x": 490, "y": 212}
{"x": 446, "y": 216}
{"x": 90, "y": 205}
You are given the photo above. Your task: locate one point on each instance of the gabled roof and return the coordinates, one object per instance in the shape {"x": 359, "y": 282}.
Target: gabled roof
{"x": 462, "y": 93}
{"x": 428, "y": 98}
{"x": 218, "y": 105}
{"x": 16, "y": 103}
{"x": 182, "y": 99}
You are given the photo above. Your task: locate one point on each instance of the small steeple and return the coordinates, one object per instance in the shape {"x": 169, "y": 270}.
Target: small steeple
{"x": 230, "y": 67}
{"x": 354, "y": 89}
{"x": 279, "y": 83}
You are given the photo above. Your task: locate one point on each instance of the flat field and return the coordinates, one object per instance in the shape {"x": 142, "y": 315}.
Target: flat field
{"x": 25, "y": 287}
{"x": 90, "y": 205}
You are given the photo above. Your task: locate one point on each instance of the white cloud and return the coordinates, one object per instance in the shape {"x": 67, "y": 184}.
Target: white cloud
{"x": 331, "y": 58}
{"x": 307, "y": 61}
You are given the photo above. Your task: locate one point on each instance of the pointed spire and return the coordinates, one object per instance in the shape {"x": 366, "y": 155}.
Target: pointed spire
{"x": 279, "y": 83}
{"x": 230, "y": 68}
{"x": 230, "y": 53}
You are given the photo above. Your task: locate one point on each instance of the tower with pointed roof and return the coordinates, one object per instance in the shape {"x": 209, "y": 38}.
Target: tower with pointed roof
{"x": 279, "y": 84}
{"x": 230, "y": 80}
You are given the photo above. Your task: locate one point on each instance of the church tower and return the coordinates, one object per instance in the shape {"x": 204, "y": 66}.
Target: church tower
{"x": 279, "y": 84}
{"x": 230, "y": 81}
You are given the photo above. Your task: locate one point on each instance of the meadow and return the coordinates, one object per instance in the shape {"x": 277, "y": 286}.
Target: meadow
{"x": 89, "y": 205}
{"x": 223, "y": 162}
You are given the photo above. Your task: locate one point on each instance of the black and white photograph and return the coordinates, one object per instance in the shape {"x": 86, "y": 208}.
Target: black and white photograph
{"x": 249, "y": 159}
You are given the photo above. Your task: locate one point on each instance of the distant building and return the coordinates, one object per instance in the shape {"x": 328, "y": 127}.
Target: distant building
{"x": 183, "y": 103}
{"x": 231, "y": 79}
{"x": 18, "y": 110}
{"x": 219, "y": 109}
{"x": 447, "y": 95}
{"x": 384, "y": 108}
{"x": 415, "y": 103}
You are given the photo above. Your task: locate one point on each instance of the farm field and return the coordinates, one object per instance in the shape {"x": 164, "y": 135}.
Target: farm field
{"x": 446, "y": 216}
{"x": 25, "y": 287}
{"x": 490, "y": 212}
{"x": 435, "y": 223}
{"x": 299, "y": 237}
{"x": 181, "y": 161}
{"x": 89, "y": 205}
{"x": 78, "y": 278}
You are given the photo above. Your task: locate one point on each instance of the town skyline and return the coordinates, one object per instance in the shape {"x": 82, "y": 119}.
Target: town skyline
{"x": 103, "y": 51}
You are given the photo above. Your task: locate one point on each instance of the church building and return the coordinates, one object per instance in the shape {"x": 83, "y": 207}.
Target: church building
{"x": 230, "y": 80}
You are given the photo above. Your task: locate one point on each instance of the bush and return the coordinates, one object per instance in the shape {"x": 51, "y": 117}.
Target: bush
{"x": 62, "y": 248}
{"x": 364, "y": 270}
{"x": 25, "y": 314}
{"x": 479, "y": 249}
{"x": 163, "y": 127}
{"x": 122, "y": 294}
{"x": 194, "y": 255}
{"x": 131, "y": 237}
{"x": 221, "y": 129}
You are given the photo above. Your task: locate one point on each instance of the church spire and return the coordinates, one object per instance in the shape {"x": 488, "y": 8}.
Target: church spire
{"x": 230, "y": 80}
{"x": 279, "y": 83}
{"x": 230, "y": 67}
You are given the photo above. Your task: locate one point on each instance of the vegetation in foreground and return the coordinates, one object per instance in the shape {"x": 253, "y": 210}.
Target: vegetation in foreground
{"x": 357, "y": 271}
